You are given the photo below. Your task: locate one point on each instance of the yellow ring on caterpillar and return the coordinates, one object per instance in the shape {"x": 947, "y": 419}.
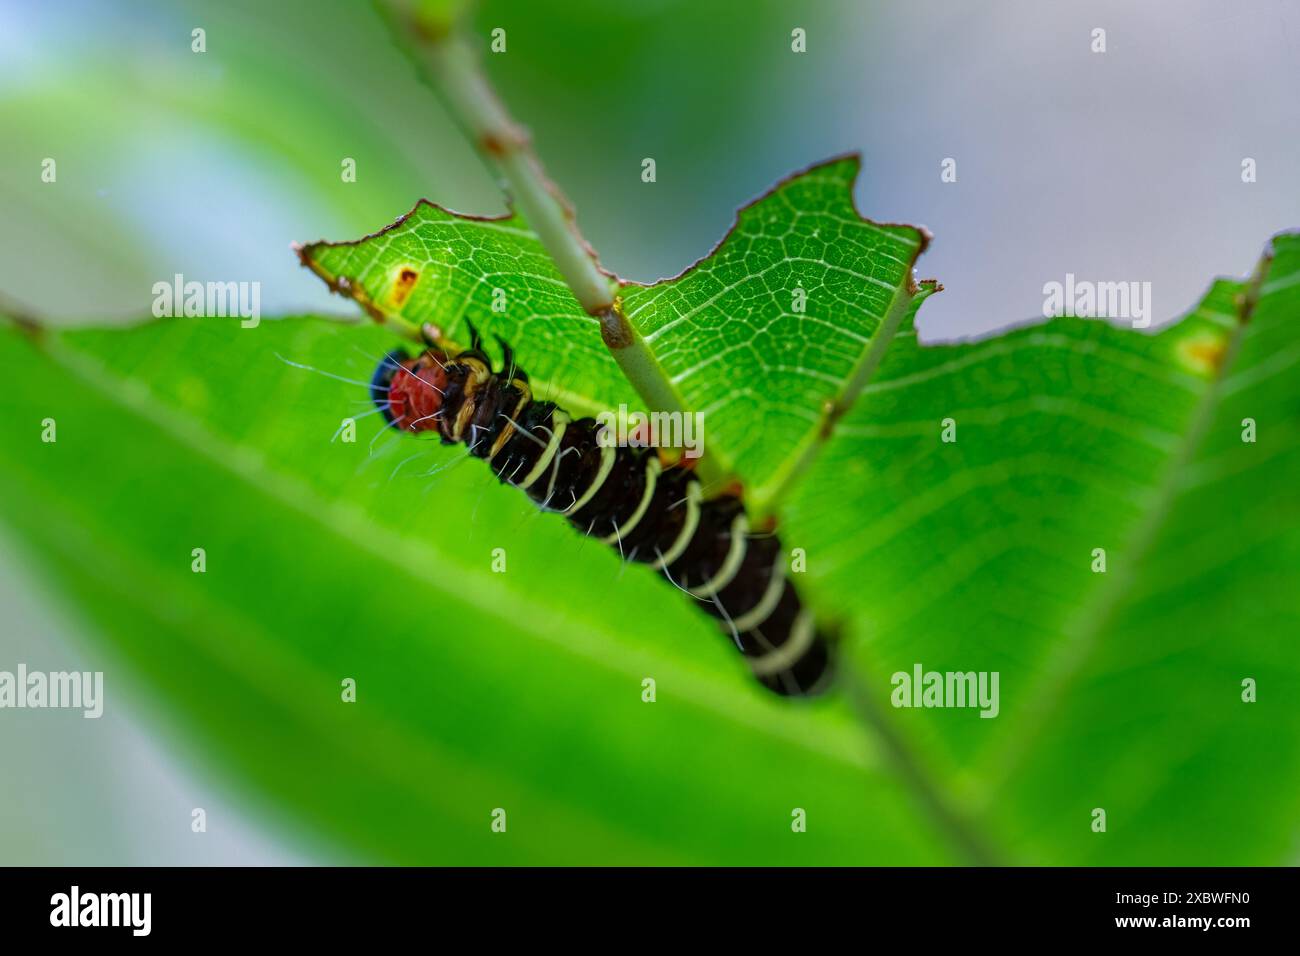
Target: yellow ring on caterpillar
{"x": 559, "y": 421}
{"x": 730, "y": 567}
{"x": 652, "y": 470}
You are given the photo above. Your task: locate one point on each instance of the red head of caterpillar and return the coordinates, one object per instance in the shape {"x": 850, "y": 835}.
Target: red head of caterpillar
{"x": 410, "y": 391}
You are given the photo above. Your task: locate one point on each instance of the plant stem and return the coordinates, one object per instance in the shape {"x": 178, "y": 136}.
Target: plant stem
{"x": 955, "y": 825}
{"x": 504, "y": 146}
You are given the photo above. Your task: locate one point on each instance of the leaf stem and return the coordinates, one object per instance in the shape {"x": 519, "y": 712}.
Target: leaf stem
{"x": 769, "y": 495}
{"x": 459, "y": 80}
{"x": 957, "y": 827}
{"x": 504, "y": 145}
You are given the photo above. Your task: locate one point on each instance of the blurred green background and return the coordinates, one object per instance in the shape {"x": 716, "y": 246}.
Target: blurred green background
{"x": 210, "y": 165}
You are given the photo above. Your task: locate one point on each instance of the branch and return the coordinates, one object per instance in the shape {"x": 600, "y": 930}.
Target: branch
{"x": 454, "y": 72}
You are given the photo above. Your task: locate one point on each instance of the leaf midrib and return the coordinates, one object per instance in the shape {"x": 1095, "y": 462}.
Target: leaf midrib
{"x": 1083, "y": 637}
{"x": 768, "y": 496}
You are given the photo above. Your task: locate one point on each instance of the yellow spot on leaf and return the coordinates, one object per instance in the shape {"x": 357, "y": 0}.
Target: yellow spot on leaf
{"x": 403, "y": 283}
{"x": 1202, "y": 352}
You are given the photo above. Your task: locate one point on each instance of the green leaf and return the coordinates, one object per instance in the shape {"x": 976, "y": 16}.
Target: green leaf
{"x": 327, "y": 560}
{"x": 785, "y": 317}
{"x": 731, "y": 340}
{"x": 1120, "y": 690}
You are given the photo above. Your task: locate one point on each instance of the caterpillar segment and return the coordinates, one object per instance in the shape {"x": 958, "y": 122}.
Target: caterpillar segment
{"x": 623, "y": 495}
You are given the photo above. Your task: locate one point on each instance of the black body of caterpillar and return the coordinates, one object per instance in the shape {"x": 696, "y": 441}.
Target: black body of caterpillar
{"x": 622, "y": 495}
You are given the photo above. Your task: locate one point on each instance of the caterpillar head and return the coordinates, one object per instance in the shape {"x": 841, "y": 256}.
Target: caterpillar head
{"x": 410, "y": 391}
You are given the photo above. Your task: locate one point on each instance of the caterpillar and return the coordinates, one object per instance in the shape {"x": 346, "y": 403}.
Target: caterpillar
{"x": 623, "y": 495}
